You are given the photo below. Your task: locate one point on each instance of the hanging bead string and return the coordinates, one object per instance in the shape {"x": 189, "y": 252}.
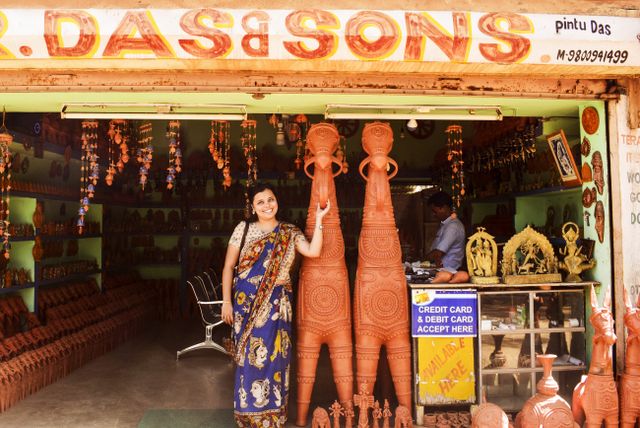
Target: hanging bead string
{"x": 175, "y": 153}
{"x": 89, "y": 169}
{"x": 5, "y": 185}
{"x": 248, "y": 141}
{"x": 144, "y": 154}
{"x": 454, "y": 156}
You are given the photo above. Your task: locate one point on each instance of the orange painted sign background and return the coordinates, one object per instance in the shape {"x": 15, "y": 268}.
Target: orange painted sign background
{"x": 445, "y": 370}
{"x": 315, "y": 34}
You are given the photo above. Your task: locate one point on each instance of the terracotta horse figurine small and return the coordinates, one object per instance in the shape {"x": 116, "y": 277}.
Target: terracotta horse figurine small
{"x": 323, "y": 308}
{"x": 381, "y": 305}
{"x": 596, "y": 396}
{"x": 630, "y": 383}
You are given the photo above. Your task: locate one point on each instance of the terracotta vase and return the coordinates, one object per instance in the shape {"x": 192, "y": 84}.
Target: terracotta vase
{"x": 546, "y": 408}
{"x": 595, "y": 398}
{"x": 381, "y": 307}
{"x": 323, "y": 309}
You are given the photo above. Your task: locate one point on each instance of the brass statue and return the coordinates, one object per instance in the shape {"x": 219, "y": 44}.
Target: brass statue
{"x": 574, "y": 261}
{"x": 482, "y": 258}
{"x": 528, "y": 258}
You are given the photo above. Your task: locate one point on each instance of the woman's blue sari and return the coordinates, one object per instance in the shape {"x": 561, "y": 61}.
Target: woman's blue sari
{"x": 262, "y": 331}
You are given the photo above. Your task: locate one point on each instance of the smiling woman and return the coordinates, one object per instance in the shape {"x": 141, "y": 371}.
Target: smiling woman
{"x": 257, "y": 303}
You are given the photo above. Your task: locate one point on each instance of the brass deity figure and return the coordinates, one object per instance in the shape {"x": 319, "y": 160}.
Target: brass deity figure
{"x": 574, "y": 261}
{"x": 482, "y": 258}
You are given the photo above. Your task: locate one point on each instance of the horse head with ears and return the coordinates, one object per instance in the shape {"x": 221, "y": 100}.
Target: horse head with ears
{"x": 595, "y": 397}
{"x": 604, "y": 336}
{"x": 632, "y": 322}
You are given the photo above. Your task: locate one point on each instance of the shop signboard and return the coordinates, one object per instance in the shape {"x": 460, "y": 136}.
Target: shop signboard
{"x": 444, "y": 324}
{"x": 444, "y": 313}
{"x": 408, "y": 36}
{"x": 629, "y": 169}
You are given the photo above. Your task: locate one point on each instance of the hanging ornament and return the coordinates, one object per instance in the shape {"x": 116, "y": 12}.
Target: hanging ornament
{"x": 89, "y": 169}
{"x": 5, "y": 185}
{"x": 342, "y": 154}
{"x": 116, "y": 137}
{"x": 218, "y": 141}
{"x": 302, "y": 153}
{"x": 248, "y": 142}
{"x": 454, "y": 156}
{"x": 144, "y": 154}
{"x": 175, "y": 153}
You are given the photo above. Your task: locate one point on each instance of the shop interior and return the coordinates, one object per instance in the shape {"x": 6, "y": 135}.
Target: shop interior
{"x": 150, "y": 230}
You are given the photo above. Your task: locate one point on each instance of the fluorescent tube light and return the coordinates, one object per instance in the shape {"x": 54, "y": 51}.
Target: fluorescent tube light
{"x": 154, "y": 111}
{"x": 416, "y": 112}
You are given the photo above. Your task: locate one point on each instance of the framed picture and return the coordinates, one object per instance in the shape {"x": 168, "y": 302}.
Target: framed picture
{"x": 564, "y": 159}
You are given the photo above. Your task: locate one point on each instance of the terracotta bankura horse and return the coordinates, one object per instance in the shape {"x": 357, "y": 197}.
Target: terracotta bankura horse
{"x": 324, "y": 310}
{"x": 596, "y": 396}
{"x": 630, "y": 384}
{"x": 381, "y": 304}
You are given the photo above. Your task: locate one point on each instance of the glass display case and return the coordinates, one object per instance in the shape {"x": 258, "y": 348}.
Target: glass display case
{"x": 512, "y": 324}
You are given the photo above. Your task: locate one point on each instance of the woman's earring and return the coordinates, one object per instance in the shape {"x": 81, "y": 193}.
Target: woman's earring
{"x": 253, "y": 212}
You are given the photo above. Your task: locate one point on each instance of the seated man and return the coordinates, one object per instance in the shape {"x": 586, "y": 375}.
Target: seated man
{"x": 447, "y": 249}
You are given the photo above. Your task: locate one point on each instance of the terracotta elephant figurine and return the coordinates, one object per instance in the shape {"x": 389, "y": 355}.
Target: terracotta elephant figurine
{"x": 320, "y": 418}
{"x": 381, "y": 306}
{"x": 630, "y": 383}
{"x": 403, "y": 418}
{"x": 324, "y": 308}
{"x": 596, "y": 397}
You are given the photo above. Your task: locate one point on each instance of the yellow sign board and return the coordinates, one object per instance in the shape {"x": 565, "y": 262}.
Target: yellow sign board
{"x": 446, "y": 370}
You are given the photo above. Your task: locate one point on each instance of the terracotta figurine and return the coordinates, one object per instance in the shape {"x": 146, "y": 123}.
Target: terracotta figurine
{"x": 320, "y": 418}
{"x": 596, "y": 396}
{"x": 630, "y": 383}
{"x": 324, "y": 309}
{"x": 489, "y": 415}
{"x": 381, "y": 307}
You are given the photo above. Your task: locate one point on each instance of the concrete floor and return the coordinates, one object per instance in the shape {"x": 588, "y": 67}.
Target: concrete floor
{"x": 117, "y": 389}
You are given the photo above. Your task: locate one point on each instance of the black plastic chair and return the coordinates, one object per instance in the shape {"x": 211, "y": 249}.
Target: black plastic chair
{"x": 206, "y": 294}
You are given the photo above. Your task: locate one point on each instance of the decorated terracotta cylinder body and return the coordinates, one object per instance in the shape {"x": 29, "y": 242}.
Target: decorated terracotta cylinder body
{"x": 324, "y": 309}
{"x": 381, "y": 307}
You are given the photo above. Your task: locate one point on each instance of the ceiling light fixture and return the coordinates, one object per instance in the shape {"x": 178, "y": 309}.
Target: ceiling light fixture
{"x": 416, "y": 112}
{"x": 154, "y": 111}
{"x": 412, "y": 124}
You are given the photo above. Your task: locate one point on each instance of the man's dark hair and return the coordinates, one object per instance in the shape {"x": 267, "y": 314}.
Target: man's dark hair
{"x": 440, "y": 199}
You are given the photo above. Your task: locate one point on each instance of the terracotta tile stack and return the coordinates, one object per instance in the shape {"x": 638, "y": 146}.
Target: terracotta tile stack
{"x": 81, "y": 324}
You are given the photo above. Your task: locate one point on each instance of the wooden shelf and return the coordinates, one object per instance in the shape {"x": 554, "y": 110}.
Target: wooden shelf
{"x": 49, "y": 238}
{"x": 505, "y": 287}
{"x": 71, "y": 277}
{"x": 15, "y": 288}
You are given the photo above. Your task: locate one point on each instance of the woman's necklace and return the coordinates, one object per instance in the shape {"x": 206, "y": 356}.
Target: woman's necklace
{"x": 267, "y": 227}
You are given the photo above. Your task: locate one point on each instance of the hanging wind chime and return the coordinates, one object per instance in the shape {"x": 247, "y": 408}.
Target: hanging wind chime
{"x": 248, "y": 142}
{"x": 175, "y": 153}
{"x": 89, "y": 169}
{"x": 144, "y": 154}
{"x": 341, "y": 154}
{"x": 301, "y": 148}
{"x": 219, "y": 145}
{"x": 118, "y": 139}
{"x": 5, "y": 185}
{"x": 454, "y": 156}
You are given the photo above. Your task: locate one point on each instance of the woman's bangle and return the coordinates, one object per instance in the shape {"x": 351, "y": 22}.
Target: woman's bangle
{"x": 226, "y": 301}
